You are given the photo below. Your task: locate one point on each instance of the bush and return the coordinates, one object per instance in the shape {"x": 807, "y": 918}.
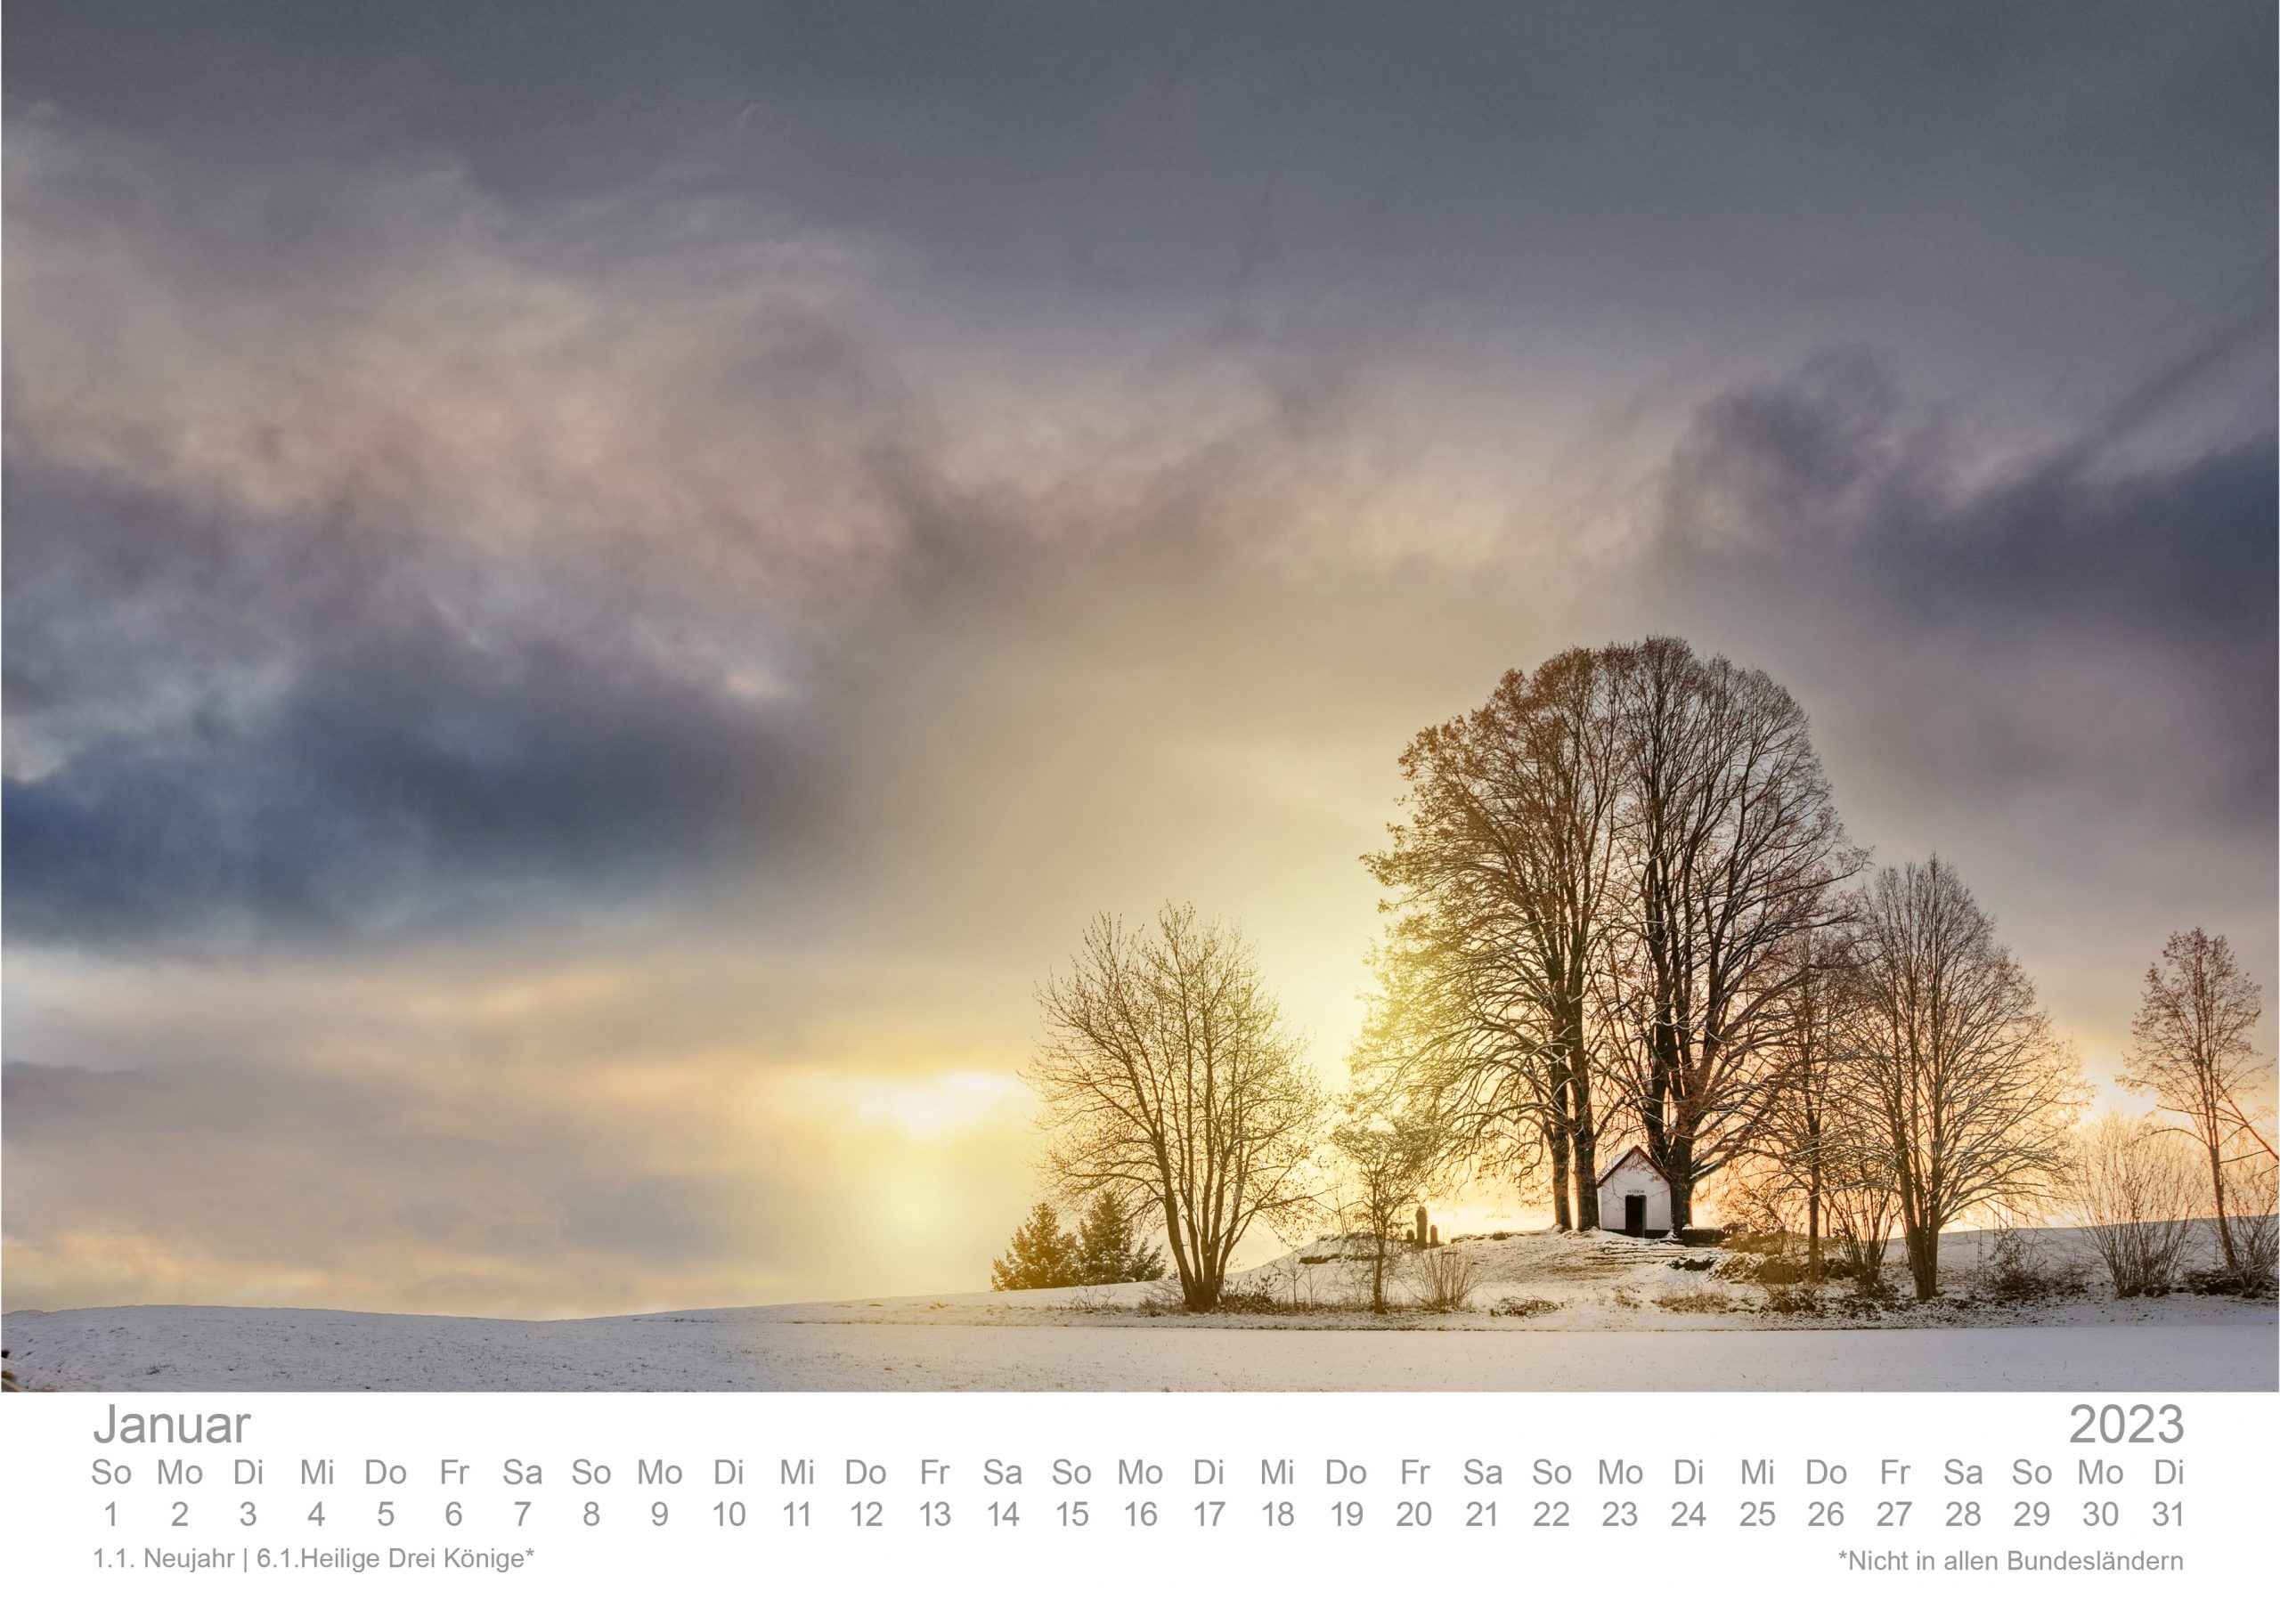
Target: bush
{"x": 1446, "y": 1277}
{"x": 1693, "y": 1265}
{"x": 1524, "y": 1308}
{"x": 1773, "y": 1269}
{"x": 1697, "y": 1300}
{"x": 2134, "y": 1186}
{"x": 1783, "y": 1271}
{"x": 1258, "y": 1298}
{"x": 2222, "y": 1282}
{"x": 1794, "y": 1300}
{"x": 2016, "y": 1270}
{"x": 2251, "y": 1192}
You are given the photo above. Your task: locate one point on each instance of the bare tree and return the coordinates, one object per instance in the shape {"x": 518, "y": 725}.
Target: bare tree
{"x": 1967, "y": 1094}
{"x": 1443, "y": 1035}
{"x": 1803, "y": 1135}
{"x": 1501, "y": 876}
{"x": 2193, "y": 1052}
{"x": 1730, "y": 850}
{"x": 1167, "y": 1076}
{"x": 2133, "y": 1187}
{"x": 1388, "y": 1164}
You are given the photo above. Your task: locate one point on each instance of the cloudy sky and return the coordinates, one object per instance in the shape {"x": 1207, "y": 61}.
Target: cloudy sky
{"x": 593, "y": 593}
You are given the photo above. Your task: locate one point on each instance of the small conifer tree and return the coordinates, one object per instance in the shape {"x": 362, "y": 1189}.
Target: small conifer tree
{"x": 1040, "y": 1253}
{"x": 1107, "y": 1249}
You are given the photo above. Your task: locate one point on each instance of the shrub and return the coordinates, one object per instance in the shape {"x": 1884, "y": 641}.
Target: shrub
{"x": 1774, "y": 1268}
{"x": 1794, "y": 1300}
{"x": 2134, "y": 1186}
{"x": 2016, "y": 1270}
{"x": 1524, "y": 1308}
{"x": 2251, "y": 1192}
{"x": 1255, "y": 1298}
{"x": 1446, "y": 1278}
{"x": 1697, "y": 1300}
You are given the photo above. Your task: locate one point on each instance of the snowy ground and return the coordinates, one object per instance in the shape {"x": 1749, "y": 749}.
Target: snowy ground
{"x": 1599, "y": 1312}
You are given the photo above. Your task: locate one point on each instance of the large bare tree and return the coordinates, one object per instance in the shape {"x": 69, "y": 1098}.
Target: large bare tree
{"x": 1166, "y": 1076}
{"x": 2192, "y": 1048}
{"x": 1500, "y": 876}
{"x": 1969, "y": 1098}
{"x": 1730, "y": 851}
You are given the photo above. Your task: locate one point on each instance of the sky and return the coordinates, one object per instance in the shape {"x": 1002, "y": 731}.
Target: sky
{"x": 594, "y": 593}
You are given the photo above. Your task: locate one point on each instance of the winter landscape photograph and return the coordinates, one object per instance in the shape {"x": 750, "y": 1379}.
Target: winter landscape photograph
{"x": 793, "y": 696}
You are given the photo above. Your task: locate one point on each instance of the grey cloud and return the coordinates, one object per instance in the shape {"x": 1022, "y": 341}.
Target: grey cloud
{"x": 1566, "y": 180}
{"x": 2060, "y": 668}
{"x": 1826, "y": 482}
{"x": 296, "y": 742}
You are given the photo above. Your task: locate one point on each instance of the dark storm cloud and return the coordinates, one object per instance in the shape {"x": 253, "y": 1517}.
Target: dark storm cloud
{"x": 1821, "y": 502}
{"x": 411, "y": 777}
{"x": 339, "y": 745}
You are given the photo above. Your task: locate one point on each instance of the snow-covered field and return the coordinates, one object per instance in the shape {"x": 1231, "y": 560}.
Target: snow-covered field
{"x": 1593, "y": 1313}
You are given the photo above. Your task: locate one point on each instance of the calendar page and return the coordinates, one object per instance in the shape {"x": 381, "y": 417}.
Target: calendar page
{"x": 982, "y": 809}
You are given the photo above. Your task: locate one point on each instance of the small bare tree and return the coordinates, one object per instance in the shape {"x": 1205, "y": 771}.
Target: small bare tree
{"x": 1387, "y": 1165}
{"x": 2133, "y": 1186}
{"x": 1168, "y": 1076}
{"x": 1968, "y": 1094}
{"x": 2191, "y": 1050}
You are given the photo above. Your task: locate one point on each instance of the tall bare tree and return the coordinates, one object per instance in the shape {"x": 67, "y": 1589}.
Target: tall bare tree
{"x": 1500, "y": 877}
{"x": 1729, "y": 849}
{"x": 1969, "y": 1096}
{"x": 1166, "y": 1076}
{"x": 1443, "y": 1037}
{"x": 2192, "y": 1048}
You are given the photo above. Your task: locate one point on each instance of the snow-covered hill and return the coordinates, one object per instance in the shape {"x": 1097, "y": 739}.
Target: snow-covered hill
{"x": 1546, "y": 1313}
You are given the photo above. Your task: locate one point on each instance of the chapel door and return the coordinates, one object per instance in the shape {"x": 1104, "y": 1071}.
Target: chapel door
{"x": 1634, "y": 1214}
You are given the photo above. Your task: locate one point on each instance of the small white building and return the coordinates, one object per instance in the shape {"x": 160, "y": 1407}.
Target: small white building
{"x": 1635, "y": 1199}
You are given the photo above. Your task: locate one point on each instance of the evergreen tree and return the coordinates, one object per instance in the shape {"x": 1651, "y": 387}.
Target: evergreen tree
{"x": 1108, "y": 1251}
{"x": 1040, "y": 1253}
